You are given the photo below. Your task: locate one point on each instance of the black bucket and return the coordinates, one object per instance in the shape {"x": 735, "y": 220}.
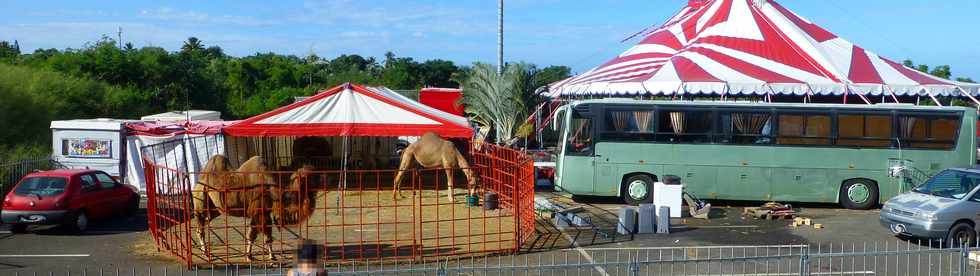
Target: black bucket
{"x": 490, "y": 201}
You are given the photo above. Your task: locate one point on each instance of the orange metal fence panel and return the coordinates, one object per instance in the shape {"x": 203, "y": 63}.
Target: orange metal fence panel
{"x": 229, "y": 217}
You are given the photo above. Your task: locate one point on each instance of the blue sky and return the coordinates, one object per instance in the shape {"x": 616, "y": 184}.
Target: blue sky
{"x": 577, "y": 33}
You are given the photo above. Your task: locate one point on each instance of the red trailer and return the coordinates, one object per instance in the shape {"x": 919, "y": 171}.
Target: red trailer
{"x": 443, "y": 99}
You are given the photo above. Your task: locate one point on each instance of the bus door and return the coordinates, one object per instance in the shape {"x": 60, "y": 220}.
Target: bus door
{"x": 576, "y": 170}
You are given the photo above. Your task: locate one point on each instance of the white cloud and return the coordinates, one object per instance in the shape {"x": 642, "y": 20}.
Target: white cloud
{"x": 407, "y": 18}
{"x": 170, "y": 14}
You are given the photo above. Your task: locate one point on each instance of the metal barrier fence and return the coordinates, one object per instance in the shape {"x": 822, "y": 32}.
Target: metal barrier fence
{"x": 11, "y": 172}
{"x": 351, "y": 212}
{"x": 899, "y": 258}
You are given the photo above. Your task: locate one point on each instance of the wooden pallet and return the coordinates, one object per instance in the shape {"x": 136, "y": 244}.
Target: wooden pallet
{"x": 778, "y": 216}
{"x": 768, "y": 214}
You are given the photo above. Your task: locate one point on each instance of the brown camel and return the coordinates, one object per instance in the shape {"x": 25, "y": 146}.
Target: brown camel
{"x": 297, "y": 202}
{"x": 247, "y": 194}
{"x": 431, "y": 151}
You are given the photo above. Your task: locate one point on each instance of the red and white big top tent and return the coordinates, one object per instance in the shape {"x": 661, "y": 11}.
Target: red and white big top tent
{"x": 353, "y": 110}
{"x": 751, "y": 47}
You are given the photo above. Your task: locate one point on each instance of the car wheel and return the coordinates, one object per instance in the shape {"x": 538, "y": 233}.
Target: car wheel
{"x": 638, "y": 189}
{"x": 18, "y": 228}
{"x": 79, "y": 224}
{"x": 960, "y": 234}
{"x": 859, "y": 194}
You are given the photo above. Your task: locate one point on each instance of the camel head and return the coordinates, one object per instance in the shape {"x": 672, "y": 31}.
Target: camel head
{"x": 257, "y": 171}
{"x": 301, "y": 176}
{"x": 473, "y": 178}
{"x": 217, "y": 166}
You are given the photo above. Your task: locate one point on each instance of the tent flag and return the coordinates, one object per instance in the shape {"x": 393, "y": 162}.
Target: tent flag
{"x": 353, "y": 110}
{"x": 750, "y": 47}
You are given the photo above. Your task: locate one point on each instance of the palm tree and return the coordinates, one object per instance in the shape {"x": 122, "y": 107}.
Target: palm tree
{"x": 502, "y": 101}
{"x": 192, "y": 44}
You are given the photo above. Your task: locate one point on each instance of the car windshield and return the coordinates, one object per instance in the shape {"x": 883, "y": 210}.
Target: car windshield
{"x": 42, "y": 186}
{"x": 949, "y": 184}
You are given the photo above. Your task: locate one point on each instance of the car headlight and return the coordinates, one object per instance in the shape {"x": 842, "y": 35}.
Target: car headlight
{"x": 924, "y": 215}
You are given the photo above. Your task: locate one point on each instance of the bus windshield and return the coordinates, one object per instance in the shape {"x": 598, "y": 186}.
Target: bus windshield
{"x": 579, "y": 135}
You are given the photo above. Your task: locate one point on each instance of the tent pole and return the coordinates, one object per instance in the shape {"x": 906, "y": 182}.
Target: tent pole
{"x": 892, "y": 92}
{"x": 934, "y": 100}
{"x": 343, "y": 172}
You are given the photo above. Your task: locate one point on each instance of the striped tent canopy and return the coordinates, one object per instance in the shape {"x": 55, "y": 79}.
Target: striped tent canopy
{"x": 750, "y": 47}
{"x": 353, "y": 110}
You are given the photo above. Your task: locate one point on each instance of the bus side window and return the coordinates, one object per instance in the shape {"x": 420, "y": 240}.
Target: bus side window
{"x": 800, "y": 129}
{"x": 685, "y": 127}
{"x": 864, "y": 130}
{"x": 744, "y": 128}
{"x": 628, "y": 126}
{"x": 928, "y": 132}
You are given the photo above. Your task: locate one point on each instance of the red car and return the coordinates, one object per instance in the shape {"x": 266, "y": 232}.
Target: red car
{"x": 66, "y": 197}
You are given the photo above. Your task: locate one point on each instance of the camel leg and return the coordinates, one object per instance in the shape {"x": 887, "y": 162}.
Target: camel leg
{"x": 406, "y": 164}
{"x": 199, "y": 218}
{"x": 250, "y": 236}
{"x": 449, "y": 185}
{"x": 267, "y": 232}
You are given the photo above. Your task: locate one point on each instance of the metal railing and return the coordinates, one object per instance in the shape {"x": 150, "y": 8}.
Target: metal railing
{"x": 883, "y": 258}
{"x": 352, "y": 213}
{"x": 13, "y": 171}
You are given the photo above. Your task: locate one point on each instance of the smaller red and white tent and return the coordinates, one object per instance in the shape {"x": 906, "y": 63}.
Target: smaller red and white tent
{"x": 353, "y": 110}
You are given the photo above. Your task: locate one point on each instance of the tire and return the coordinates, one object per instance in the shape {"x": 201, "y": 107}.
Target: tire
{"x": 18, "y": 228}
{"x": 638, "y": 189}
{"x": 78, "y": 223}
{"x": 859, "y": 194}
{"x": 133, "y": 206}
{"x": 961, "y": 233}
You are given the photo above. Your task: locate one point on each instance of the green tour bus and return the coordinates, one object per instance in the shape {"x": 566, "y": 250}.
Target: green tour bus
{"x": 855, "y": 155}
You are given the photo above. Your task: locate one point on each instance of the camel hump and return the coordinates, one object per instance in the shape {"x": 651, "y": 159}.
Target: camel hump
{"x": 431, "y": 136}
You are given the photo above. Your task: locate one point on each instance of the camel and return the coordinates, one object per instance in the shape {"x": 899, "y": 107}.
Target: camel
{"x": 297, "y": 202}
{"x": 249, "y": 195}
{"x": 431, "y": 151}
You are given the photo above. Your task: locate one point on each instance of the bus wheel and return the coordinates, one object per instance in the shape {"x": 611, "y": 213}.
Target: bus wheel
{"x": 638, "y": 189}
{"x": 859, "y": 194}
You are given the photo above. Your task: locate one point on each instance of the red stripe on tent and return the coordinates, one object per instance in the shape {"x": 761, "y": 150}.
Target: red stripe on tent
{"x": 665, "y": 38}
{"x": 632, "y": 58}
{"x": 618, "y": 75}
{"x": 914, "y": 75}
{"x": 690, "y": 24}
{"x": 689, "y": 71}
{"x": 630, "y": 68}
{"x": 862, "y": 71}
{"x": 816, "y": 32}
{"x": 744, "y": 67}
{"x": 721, "y": 15}
{"x": 775, "y": 46}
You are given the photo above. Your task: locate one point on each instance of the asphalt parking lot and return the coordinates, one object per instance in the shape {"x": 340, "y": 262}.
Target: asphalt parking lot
{"x": 124, "y": 243}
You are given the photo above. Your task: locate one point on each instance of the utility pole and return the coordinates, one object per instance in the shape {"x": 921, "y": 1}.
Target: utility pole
{"x": 500, "y": 37}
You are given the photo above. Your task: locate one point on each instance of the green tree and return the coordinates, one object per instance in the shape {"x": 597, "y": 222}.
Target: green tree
{"x": 8, "y": 51}
{"x": 437, "y": 73}
{"x": 502, "y": 101}
{"x": 192, "y": 45}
